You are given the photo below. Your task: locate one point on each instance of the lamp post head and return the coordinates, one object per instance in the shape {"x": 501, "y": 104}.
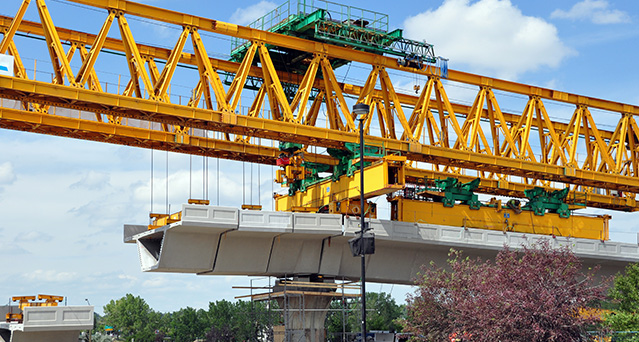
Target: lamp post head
{"x": 361, "y": 109}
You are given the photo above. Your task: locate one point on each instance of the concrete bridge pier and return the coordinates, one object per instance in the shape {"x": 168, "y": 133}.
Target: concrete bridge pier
{"x": 305, "y": 303}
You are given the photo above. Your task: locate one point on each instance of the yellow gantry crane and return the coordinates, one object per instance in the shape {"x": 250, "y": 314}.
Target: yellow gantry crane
{"x": 25, "y": 301}
{"x": 419, "y": 141}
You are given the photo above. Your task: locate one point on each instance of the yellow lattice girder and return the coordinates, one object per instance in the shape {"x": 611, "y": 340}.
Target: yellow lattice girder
{"x": 335, "y": 51}
{"x": 133, "y": 136}
{"x": 135, "y": 61}
{"x": 123, "y": 134}
{"x": 421, "y": 115}
{"x": 240, "y": 78}
{"x": 208, "y": 76}
{"x": 118, "y": 105}
{"x": 277, "y": 97}
{"x": 162, "y": 84}
{"x": 302, "y": 96}
{"x": 162, "y": 53}
{"x": 333, "y": 91}
{"x": 387, "y": 88}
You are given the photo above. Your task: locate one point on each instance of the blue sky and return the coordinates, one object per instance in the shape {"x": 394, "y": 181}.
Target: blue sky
{"x": 63, "y": 202}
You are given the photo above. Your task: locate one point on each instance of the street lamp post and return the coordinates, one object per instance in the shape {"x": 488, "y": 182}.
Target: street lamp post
{"x": 361, "y": 110}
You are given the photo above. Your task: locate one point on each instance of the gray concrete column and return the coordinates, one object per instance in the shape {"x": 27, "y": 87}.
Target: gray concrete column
{"x": 305, "y": 307}
{"x": 304, "y": 317}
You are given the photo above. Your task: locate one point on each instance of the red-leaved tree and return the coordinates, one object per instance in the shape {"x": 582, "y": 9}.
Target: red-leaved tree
{"x": 535, "y": 294}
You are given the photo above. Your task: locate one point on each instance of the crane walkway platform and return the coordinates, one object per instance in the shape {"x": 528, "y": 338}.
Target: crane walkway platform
{"x": 212, "y": 240}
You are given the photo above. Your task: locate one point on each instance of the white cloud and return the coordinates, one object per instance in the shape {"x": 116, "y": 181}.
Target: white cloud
{"x": 489, "y": 36}
{"x": 596, "y": 11}
{"x": 245, "y": 16}
{"x": 12, "y": 249}
{"x": 33, "y": 236}
{"x": 155, "y": 282}
{"x": 92, "y": 180}
{"x": 50, "y": 276}
{"x": 7, "y": 175}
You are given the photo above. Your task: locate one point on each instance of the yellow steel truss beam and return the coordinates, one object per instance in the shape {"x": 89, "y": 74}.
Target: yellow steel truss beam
{"x": 190, "y": 59}
{"x": 87, "y": 65}
{"x": 123, "y": 134}
{"x": 335, "y": 51}
{"x": 57, "y": 95}
{"x": 13, "y": 27}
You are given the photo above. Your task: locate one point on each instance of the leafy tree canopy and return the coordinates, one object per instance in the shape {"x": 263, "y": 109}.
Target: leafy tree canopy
{"x": 625, "y": 293}
{"x": 132, "y": 317}
{"x": 382, "y": 314}
{"x": 534, "y": 294}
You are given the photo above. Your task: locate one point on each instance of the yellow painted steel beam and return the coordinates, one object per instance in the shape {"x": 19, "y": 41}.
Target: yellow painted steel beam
{"x": 13, "y": 27}
{"x": 59, "y": 60}
{"x": 87, "y": 65}
{"x": 340, "y": 86}
{"x": 501, "y": 187}
{"x": 163, "y": 82}
{"x": 112, "y": 104}
{"x": 334, "y": 51}
{"x": 190, "y": 59}
{"x": 124, "y": 134}
{"x": 383, "y": 177}
{"x": 501, "y": 219}
{"x": 134, "y": 59}
{"x": 208, "y": 75}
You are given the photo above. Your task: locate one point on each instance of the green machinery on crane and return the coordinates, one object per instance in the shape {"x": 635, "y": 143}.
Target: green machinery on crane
{"x": 337, "y": 24}
{"x": 449, "y": 191}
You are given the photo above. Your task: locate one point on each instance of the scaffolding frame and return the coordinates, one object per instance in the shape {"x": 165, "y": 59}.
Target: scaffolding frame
{"x": 287, "y": 291}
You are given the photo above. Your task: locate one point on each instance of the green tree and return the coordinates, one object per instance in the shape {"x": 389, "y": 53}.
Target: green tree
{"x": 381, "y": 314}
{"x": 339, "y": 318}
{"x": 189, "y": 324}
{"x": 132, "y": 317}
{"x": 626, "y": 289}
{"x": 239, "y": 321}
{"x": 625, "y": 293}
{"x": 385, "y": 314}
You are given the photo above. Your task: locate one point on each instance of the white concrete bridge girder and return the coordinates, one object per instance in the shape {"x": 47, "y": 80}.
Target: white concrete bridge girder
{"x": 226, "y": 241}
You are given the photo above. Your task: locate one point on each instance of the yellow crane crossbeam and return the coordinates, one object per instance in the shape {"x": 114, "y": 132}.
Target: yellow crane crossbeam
{"x": 150, "y": 110}
{"x": 131, "y": 134}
